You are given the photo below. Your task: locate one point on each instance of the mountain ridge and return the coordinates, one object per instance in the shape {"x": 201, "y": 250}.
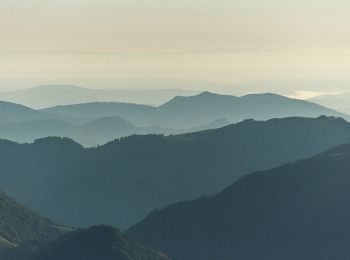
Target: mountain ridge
{"x": 96, "y": 123}
{"x": 82, "y": 186}
{"x": 50, "y": 95}
{"x": 295, "y": 211}
{"x": 191, "y": 111}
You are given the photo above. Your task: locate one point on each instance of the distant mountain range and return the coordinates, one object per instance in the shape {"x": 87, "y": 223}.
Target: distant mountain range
{"x": 205, "y": 106}
{"x": 237, "y": 163}
{"x": 52, "y": 95}
{"x": 340, "y": 102}
{"x": 92, "y": 133}
{"x": 297, "y": 211}
{"x": 121, "y": 182}
{"x": 25, "y": 235}
{"x": 96, "y": 123}
{"x": 188, "y": 112}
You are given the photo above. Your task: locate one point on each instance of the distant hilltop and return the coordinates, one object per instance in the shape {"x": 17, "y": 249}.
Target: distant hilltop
{"x": 51, "y": 95}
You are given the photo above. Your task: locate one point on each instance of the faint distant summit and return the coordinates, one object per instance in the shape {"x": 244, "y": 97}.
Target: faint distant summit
{"x": 61, "y": 94}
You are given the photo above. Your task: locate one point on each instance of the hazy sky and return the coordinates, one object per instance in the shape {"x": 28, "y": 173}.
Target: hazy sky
{"x": 288, "y": 45}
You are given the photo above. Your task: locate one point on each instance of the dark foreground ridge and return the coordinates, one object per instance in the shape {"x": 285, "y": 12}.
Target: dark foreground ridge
{"x": 20, "y": 226}
{"x": 25, "y": 235}
{"x": 297, "y": 211}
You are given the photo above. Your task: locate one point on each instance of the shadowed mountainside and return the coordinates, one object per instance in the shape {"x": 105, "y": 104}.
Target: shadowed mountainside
{"x": 20, "y": 225}
{"x": 99, "y": 242}
{"x": 25, "y": 235}
{"x": 122, "y": 181}
{"x": 297, "y": 211}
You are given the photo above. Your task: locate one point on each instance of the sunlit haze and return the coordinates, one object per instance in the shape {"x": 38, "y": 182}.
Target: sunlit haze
{"x": 298, "y": 48}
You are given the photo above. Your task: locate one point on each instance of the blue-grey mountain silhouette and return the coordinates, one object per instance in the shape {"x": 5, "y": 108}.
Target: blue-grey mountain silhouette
{"x": 92, "y": 133}
{"x": 296, "y": 211}
{"x": 53, "y": 95}
{"x": 96, "y": 123}
{"x": 121, "y": 182}
{"x": 13, "y": 113}
{"x": 192, "y": 111}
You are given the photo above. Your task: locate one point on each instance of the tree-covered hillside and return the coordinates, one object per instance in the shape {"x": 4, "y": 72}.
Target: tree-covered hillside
{"x": 297, "y": 211}
{"x": 121, "y": 182}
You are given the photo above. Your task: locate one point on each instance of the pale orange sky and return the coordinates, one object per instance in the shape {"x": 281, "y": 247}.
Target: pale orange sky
{"x": 228, "y": 41}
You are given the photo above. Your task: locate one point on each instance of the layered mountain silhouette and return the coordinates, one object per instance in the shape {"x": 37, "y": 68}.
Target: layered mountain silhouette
{"x": 188, "y": 112}
{"x": 296, "y": 211}
{"x": 96, "y": 123}
{"x": 52, "y": 95}
{"x": 93, "y": 133}
{"x": 121, "y": 182}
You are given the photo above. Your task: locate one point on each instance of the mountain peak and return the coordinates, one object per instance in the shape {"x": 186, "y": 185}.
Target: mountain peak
{"x": 264, "y": 95}
{"x": 57, "y": 142}
{"x": 207, "y": 94}
{"x": 204, "y": 97}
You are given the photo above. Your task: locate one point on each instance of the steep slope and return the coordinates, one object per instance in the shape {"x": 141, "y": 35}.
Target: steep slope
{"x": 102, "y": 243}
{"x": 19, "y": 225}
{"x": 297, "y": 211}
{"x": 189, "y": 112}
